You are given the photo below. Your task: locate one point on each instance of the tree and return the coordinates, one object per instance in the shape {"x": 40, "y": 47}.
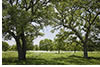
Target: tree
{"x": 46, "y": 44}
{"x": 59, "y": 43}
{"x": 5, "y": 46}
{"x": 30, "y": 43}
{"x": 13, "y": 48}
{"x": 36, "y": 47}
{"x": 78, "y": 17}
{"x": 22, "y": 18}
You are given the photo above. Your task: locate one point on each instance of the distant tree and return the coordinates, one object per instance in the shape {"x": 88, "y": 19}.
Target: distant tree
{"x": 29, "y": 47}
{"x": 36, "y": 47}
{"x": 5, "y": 46}
{"x": 46, "y": 44}
{"x": 60, "y": 44}
{"x": 75, "y": 44}
{"x": 13, "y": 48}
{"x": 30, "y": 44}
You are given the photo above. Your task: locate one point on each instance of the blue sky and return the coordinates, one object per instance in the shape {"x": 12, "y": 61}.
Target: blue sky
{"x": 46, "y": 31}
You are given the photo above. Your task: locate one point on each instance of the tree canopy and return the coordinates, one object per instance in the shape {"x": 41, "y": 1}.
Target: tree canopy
{"x": 22, "y": 19}
{"x": 77, "y": 18}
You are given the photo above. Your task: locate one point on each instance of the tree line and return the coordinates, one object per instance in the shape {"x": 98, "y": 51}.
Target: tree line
{"x": 50, "y": 45}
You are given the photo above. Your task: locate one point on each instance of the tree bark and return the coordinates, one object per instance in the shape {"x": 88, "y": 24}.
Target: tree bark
{"x": 21, "y": 54}
{"x": 23, "y": 46}
{"x": 85, "y": 50}
{"x": 19, "y": 48}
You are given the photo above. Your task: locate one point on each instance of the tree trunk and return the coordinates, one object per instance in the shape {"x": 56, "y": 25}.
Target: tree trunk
{"x": 21, "y": 55}
{"x": 21, "y": 51}
{"x": 23, "y": 45}
{"x": 85, "y": 50}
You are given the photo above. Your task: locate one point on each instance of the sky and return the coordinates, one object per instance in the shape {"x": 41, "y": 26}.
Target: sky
{"x": 46, "y": 31}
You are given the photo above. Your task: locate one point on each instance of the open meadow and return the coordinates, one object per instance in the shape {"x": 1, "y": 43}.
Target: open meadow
{"x": 50, "y": 58}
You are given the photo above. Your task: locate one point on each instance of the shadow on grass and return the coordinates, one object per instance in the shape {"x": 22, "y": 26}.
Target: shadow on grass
{"x": 29, "y": 61}
{"x": 70, "y": 60}
{"x": 39, "y": 61}
{"x": 96, "y": 58}
{"x": 78, "y": 60}
{"x": 8, "y": 61}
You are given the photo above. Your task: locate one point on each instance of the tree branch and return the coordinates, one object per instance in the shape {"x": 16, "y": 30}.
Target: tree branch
{"x": 88, "y": 28}
{"x": 76, "y": 32}
{"x": 11, "y": 2}
{"x": 95, "y": 18}
{"x": 11, "y": 33}
{"x": 17, "y": 2}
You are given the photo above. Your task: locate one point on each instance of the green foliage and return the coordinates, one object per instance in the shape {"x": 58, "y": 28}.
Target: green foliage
{"x": 46, "y": 44}
{"x": 22, "y": 20}
{"x": 29, "y": 45}
{"x": 13, "y": 48}
{"x": 59, "y": 44}
{"x": 36, "y": 47}
{"x": 78, "y": 21}
{"x": 5, "y": 46}
{"x": 18, "y": 19}
{"x": 76, "y": 18}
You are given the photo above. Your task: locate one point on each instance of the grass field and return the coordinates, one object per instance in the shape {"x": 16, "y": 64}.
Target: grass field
{"x": 68, "y": 58}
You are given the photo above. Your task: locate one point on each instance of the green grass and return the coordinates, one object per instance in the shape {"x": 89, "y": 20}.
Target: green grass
{"x": 68, "y": 58}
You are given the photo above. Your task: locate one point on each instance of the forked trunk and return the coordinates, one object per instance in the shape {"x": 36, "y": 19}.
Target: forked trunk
{"x": 21, "y": 52}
